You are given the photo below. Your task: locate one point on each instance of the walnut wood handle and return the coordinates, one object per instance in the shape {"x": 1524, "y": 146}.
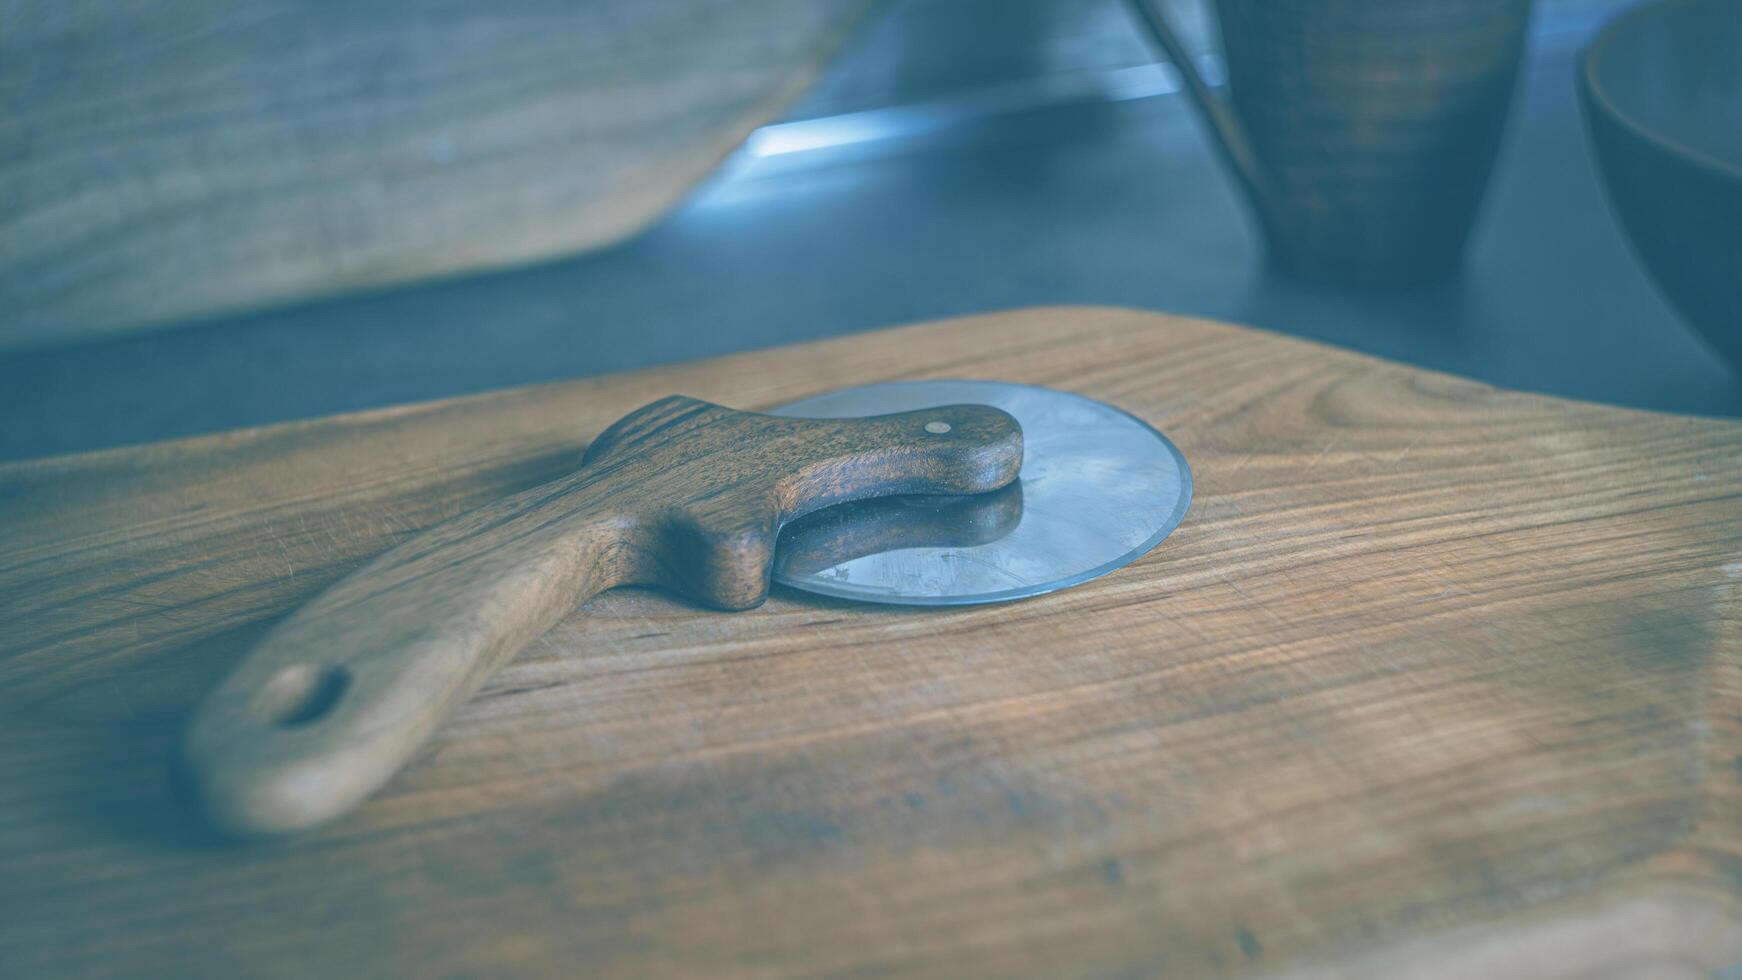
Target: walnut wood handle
{"x": 872, "y": 527}
{"x": 680, "y": 493}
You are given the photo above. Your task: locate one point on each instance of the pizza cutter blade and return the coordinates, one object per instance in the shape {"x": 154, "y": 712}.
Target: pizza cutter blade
{"x": 1097, "y": 490}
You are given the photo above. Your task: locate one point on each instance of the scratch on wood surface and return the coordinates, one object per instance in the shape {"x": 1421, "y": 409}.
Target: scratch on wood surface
{"x": 1245, "y": 457}
{"x": 1406, "y": 450}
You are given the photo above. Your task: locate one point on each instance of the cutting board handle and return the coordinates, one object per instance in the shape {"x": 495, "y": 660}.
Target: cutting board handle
{"x": 680, "y": 493}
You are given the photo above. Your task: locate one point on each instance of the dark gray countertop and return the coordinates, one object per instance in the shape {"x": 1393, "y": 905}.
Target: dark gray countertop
{"x": 964, "y": 155}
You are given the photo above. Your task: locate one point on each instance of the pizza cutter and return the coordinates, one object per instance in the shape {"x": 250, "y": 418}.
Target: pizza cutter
{"x": 904, "y": 492}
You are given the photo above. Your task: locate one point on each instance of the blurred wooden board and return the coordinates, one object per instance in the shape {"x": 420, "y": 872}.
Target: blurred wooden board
{"x": 167, "y": 161}
{"x": 1435, "y": 680}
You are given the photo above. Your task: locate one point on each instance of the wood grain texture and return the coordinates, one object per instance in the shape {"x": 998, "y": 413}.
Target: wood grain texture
{"x": 680, "y": 493}
{"x": 167, "y": 161}
{"x": 1434, "y": 680}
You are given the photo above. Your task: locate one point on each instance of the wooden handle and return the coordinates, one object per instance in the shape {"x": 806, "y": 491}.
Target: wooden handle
{"x": 872, "y": 527}
{"x": 680, "y": 493}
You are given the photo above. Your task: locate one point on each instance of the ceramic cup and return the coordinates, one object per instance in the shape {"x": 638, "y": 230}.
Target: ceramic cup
{"x": 1362, "y": 131}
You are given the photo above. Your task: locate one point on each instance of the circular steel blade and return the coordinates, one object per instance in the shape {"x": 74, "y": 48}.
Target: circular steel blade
{"x": 1098, "y": 489}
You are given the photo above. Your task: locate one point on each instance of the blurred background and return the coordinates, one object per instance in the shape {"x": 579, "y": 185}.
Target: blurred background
{"x": 216, "y": 215}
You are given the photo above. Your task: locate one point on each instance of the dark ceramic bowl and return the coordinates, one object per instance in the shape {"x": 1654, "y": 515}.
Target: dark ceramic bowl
{"x": 1662, "y": 91}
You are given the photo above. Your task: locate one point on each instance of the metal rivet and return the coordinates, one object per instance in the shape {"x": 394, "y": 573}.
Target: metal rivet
{"x": 937, "y": 428}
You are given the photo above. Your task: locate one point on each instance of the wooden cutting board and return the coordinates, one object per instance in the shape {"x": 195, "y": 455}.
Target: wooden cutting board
{"x": 1435, "y": 680}
{"x": 183, "y": 159}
